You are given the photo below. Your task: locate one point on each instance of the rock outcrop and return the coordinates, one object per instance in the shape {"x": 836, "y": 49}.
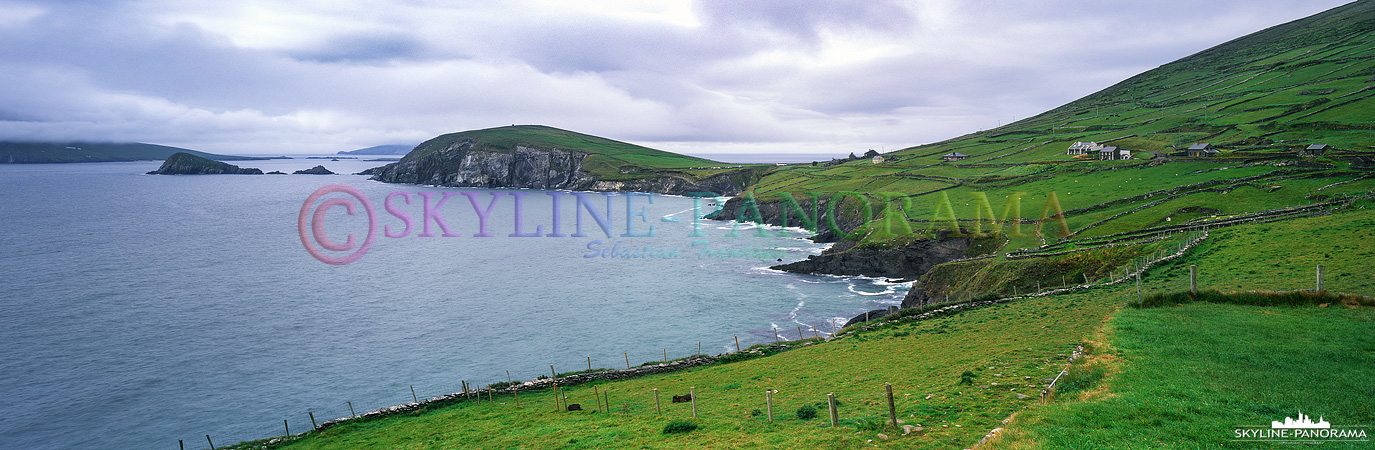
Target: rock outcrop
{"x": 317, "y": 170}
{"x": 187, "y": 164}
{"x": 829, "y": 229}
{"x": 909, "y": 261}
{"x": 463, "y": 164}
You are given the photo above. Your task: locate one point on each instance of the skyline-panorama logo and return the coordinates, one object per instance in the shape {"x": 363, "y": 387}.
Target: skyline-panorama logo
{"x": 1301, "y": 430}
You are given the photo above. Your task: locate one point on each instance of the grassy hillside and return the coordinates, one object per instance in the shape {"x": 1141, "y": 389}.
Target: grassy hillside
{"x": 610, "y": 159}
{"x": 70, "y": 152}
{"x": 1259, "y": 99}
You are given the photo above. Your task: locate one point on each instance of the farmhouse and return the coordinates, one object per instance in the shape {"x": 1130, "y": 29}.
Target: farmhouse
{"x": 1080, "y": 148}
{"x": 1201, "y": 150}
{"x": 878, "y": 159}
{"x": 1112, "y": 153}
{"x": 954, "y": 156}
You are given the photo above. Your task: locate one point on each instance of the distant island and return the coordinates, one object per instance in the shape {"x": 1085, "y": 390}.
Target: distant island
{"x": 183, "y": 163}
{"x": 13, "y": 152}
{"x": 380, "y": 150}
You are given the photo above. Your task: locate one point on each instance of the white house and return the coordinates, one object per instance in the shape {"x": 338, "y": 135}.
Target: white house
{"x": 1080, "y": 148}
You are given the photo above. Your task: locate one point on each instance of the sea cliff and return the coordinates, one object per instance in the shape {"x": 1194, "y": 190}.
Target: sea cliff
{"x": 463, "y": 164}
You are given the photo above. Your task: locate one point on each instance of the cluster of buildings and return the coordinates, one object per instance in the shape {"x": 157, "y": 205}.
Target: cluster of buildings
{"x": 1104, "y": 152}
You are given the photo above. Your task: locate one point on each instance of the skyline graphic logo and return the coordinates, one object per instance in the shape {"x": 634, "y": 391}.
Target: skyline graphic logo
{"x": 1300, "y": 430}
{"x": 1303, "y": 422}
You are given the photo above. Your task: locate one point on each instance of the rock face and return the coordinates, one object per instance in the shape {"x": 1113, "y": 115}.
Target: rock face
{"x": 317, "y": 170}
{"x": 771, "y": 212}
{"x": 187, "y": 164}
{"x": 461, "y": 164}
{"x": 909, "y": 261}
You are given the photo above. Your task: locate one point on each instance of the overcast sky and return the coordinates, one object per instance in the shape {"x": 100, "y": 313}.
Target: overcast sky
{"x": 715, "y": 76}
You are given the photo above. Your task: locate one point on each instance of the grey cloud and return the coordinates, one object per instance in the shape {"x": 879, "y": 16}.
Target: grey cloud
{"x": 366, "y": 48}
{"x": 806, "y": 20}
{"x": 748, "y": 74}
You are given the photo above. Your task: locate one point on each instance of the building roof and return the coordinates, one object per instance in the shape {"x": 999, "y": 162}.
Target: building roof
{"x": 956, "y": 155}
{"x": 1201, "y": 146}
{"x": 1317, "y": 147}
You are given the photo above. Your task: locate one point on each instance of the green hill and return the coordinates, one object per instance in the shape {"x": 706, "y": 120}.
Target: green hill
{"x": 540, "y": 157}
{"x": 610, "y": 158}
{"x": 1260, "y": 100}
{"x": 75, "y": 152}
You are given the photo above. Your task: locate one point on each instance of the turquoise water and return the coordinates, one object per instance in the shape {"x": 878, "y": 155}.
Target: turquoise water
{"x": 144, "y": 309}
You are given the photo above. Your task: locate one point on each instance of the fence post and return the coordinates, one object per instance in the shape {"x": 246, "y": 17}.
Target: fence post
{"x": 627, "y": 360}
{"x": 737, "y": 343}
{"x": 1193, "y": 279}
{"x": 606, "y": 398}
{"x": 692, "y": 393}
{"x": 768, "y": 403}
{"x": 597, "y": 397}
{"x": 287, "y": 427}
{"x": 313, "y": 426}
{"x": 212, "y": 444}
{"x": 181, "y": 445}
{"x": 413, "y": 397}
{"x": 831, "y": 403}
{"x": 799, "y": 332}
{"x": 1320, "y": 267}
{"x": 554, "y": 376}
{"x": 657, "y": 409}
{"x": 515, "y": 393}
{"x": 589, "y": 363}
{"x": 1138, "y": 286}
{"x": 351, "y": 413}
{"x": 665, "y": 355}
{"x": 892, "y": 409}
{"x": 775, "y": 329}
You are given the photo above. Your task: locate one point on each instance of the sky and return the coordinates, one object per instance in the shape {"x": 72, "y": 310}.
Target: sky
{"x": 710, "y": 77}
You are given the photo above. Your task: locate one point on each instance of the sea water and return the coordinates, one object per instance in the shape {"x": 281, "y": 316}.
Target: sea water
{"x": 143, "y": 309}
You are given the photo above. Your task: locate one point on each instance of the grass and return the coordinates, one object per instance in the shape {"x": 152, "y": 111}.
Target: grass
{"x": 1190, "y": 374}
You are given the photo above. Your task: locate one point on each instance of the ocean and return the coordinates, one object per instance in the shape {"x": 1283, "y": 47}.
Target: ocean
{"x": 145, "y": 309}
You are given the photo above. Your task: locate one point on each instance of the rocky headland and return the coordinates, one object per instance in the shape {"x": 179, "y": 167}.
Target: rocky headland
{"x": 462, "y": 163}
{"x": 187, "y": 164}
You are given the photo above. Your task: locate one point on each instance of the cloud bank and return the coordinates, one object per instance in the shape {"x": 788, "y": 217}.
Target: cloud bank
{"x": 701, "y": 77}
